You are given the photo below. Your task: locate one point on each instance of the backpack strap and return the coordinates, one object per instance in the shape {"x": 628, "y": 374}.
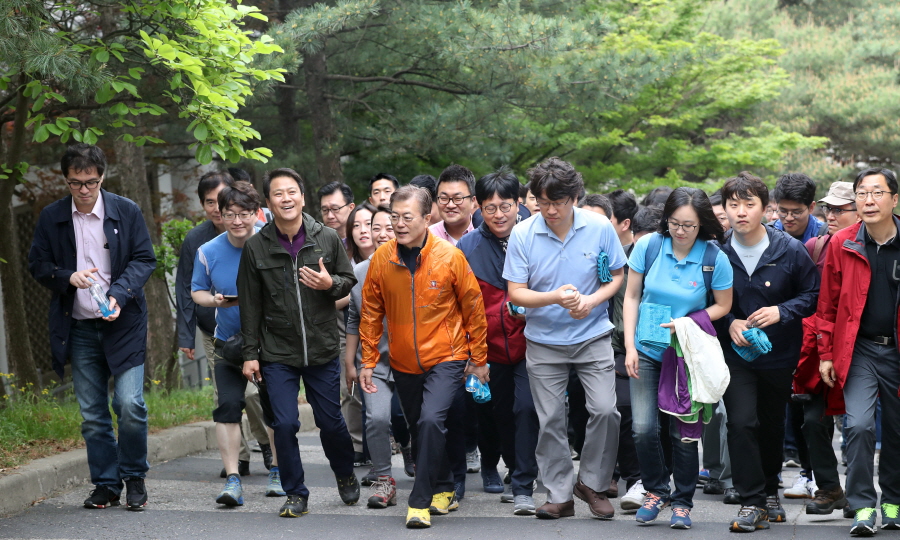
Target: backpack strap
{"x": 823, "y": 230}
{"x": 652, "y": 252}
{"x": 821, "y": 242}
{"x": 709, "y": 266}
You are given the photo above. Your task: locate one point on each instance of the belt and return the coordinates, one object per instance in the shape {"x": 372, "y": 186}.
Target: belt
{"x": 880, "y": 340}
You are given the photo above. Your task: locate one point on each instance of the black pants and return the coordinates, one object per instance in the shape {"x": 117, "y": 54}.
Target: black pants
{"x": 516, "y": 424}
{"x": 427, "y": 399}
{"x": 794, "y": 437}
{"x": 231, "y": 385}
{"x": 818, "y": 431}
{"x": 755, "y": 401}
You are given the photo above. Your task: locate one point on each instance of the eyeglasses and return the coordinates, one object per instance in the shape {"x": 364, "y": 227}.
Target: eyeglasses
{"x": 793, "y": 213}
{"x": 443, "y": 199}
{"x": 686, "y": 228}
{"x": 876, "y": 195}
{"x": 245, "y": 216}
{"x": 548, "y": 204}
{"x": 408, "y": 218}
{"x": 333, "y": 209}
{"x": 492, "y": 209}
{"x": 838, "y": 212}
{"x": 92, "y": 184}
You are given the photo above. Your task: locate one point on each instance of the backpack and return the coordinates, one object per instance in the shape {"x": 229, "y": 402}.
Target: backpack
{"x": 708, "y": 262}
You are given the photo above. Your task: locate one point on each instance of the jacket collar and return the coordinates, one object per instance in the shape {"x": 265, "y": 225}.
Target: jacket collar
{"x": 426, "y": 249}
{"x": 778, "y": 244}
{"x": 110, "y": 207}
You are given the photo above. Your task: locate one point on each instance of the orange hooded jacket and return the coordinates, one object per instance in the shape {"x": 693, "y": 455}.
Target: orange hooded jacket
{"x": 445, "y": 322}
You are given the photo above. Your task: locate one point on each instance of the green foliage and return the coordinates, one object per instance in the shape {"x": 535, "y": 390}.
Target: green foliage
{"x": 173, "y": 233}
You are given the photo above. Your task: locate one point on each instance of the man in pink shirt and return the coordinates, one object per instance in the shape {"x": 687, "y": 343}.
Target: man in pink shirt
{"x": 456, "y": 203}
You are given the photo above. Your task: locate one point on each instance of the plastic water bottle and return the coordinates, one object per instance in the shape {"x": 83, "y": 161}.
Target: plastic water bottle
{"x": 480, "y": 391}
{"x": 100, "y": 297}
{"x": 518, "y": 310}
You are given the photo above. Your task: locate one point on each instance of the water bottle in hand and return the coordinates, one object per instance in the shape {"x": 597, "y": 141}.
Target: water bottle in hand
{"x": 100, "y": 297}
{"x": 480, "y": 391}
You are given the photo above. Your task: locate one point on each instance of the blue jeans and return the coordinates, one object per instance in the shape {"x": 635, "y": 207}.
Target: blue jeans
{"x": 646, "y": 420}
{"x": 110, "y": 462}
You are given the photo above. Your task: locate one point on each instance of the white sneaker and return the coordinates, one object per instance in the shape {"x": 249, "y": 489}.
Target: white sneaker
{"x": 811, "y": 488}
{"x": 800, "y": 489}
{"x": 634, "y": 498}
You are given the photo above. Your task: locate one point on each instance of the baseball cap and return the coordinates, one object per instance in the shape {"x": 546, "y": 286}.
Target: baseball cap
{"x": 839, "y": 194}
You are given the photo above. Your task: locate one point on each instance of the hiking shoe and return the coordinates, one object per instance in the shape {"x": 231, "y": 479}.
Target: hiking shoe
{"x": 848, "y": 514}
{"x": 348, "y": 489}
{"x": 273, "y": 487}
{"x": 294, "y": 506}
{"x": 268, "y": 458}
{"x": 776, "y": 511}
{"x": 890, "y": 517}
{"x": 731, "y": 496}
{"x": 243, "y": 469}
{"x": 597, "y": 501}
{"x": 551, "y": 510}
{"x": 443, "y": 503}
{"x": 800, "y": 489}
{"x": 749, "y": 519}
{"x": 826, "y": 501}
{"x": 409, "y": 464}
{"x": 460, "y": 489}
{"x": 384, "y": 493}
{"x": 370, "y": 478}
{"x": 101, "y": 497}
{"x": 524, "y": 505}
{"x": 791, "y": 458}
{"x": 360, "y": 460}
{"x": 135, "y": 494}
{"x": 634, "y": 497}
{"x": 714, "y": 487}
{"x": 233, "y": 494}
{"x": 491, "y": 481}
{"x": 703, "y": 477}
{"x": 651, "y": 508}
{"x": 418, "y": 518}
{"x": 864, "y": 523}
{"x": 473, "y": 461}
{"x": 681, "y": 518}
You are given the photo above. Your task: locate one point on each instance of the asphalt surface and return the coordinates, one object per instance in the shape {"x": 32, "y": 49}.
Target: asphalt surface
{"x": 182, "y": 494}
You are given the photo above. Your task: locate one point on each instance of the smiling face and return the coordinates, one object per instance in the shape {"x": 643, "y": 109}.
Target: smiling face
{"x": 744, "y": 214}
{"x": 382, "y": 228}
{"x": 239, "y": 227}
{"x": 499, "y": 222}
{"x": 452, "y": 212}
{"x": 85, "y": 197}
{"x": 285, "y": 199}
{"x": 362, "y": 231}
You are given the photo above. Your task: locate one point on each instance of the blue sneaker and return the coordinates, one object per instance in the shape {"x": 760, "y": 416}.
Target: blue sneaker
{"x": 651, "y": 507}
{"x": 864, "y": 523}
{"x": 890, "y": 516}
{"x": 491, "y": 480}
{"x": 233, "y": 494}
{"x": 273, "y": 488}
{"x": 460, "y": 490}
{"x": 681, "y": 518}
{"x": 703, "y": 477}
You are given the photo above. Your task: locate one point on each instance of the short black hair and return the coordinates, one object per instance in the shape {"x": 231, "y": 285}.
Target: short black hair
{"x": 503, "y": 182}
{"x": 598, "y": 201}
{"x": 523, "y": 191}
{"x": 710, "y": 227}
{"x": 239, "y": 174}
{"x": 716, "y": 198}
{"x": 555, "y": 179}
{"x": 277, "y": 173}
{"x": 889, "y": 176}
{"x": 331, "y": 187}
{"x": 425, "y": 181}
{"x": 383, "y": 176}
{"x": 646, "y": 219}
{"x": 81, "y": 157}
{"x": 457, "y": 173}
{"x": 796, "y": 187}
{"x": 241, "y": 193}
{"x": 211, "y": 181}
{"x": 624, "y": 205}
{"x": 657, "y": 196}
{"x": 745, "y": 186}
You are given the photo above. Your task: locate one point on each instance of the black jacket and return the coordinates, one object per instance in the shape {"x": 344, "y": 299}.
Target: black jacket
{"x": 52, "y": 262}
{"x": 188, "y": 314}
{"x": 274, "y": 326}
{"x": 785, "y": 277}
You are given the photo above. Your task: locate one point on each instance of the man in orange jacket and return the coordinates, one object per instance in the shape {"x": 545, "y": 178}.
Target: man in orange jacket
{"x": 438, "y": 332}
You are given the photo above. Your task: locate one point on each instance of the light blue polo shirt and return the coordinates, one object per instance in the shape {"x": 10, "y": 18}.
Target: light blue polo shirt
{"x": 537, "y": 257}
{"x": 677, "y": 284}
{"x": 216, "y": 269}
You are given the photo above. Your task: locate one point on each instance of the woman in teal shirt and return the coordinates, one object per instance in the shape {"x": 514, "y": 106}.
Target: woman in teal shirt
{"x": 674, "y": 279}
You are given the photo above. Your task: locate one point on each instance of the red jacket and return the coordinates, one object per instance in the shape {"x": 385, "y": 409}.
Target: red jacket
{"x": 845, "y": 286}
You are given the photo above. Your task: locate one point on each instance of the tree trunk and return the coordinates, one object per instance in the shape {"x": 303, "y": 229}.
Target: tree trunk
{"x": 162, "y": 362}
{"x": 287, "y": 111}
{"x": 325, "y": 136}
{"x": 18, "y": 345}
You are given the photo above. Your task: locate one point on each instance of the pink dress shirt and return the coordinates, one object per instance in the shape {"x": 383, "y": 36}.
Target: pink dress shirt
{"x": 440, "y": 231}
{"x": 90, "y": 252}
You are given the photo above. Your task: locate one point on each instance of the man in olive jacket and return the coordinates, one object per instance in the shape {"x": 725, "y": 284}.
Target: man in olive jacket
{"x": 289, "y": 277}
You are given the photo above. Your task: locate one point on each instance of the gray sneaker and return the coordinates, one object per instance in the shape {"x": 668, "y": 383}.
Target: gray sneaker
{"x": 524, "y": 505}
{"x": 473, "y": 461}
{"x": 507, "y": 496}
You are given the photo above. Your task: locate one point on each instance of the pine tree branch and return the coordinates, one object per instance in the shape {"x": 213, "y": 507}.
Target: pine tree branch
{"x": 392, "y": 80}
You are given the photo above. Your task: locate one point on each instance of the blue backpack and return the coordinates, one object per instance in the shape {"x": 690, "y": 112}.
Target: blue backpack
{"x": 709, "y": 262}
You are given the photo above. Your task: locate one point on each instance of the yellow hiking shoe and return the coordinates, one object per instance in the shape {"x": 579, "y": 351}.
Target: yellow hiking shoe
{"x": 418, "y": 518}
{"x": 442, "y": 503}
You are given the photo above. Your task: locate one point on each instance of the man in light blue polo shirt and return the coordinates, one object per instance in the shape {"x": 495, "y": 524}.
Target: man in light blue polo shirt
{"x": 551, "y": 270}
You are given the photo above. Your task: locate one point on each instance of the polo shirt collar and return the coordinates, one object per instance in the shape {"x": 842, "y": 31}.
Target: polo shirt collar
{"x": 578, "y": 222}
{"x": 694, "y": 256}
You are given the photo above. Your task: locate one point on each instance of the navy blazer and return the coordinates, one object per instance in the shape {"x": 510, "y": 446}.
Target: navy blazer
{"x": 52, "y": 262}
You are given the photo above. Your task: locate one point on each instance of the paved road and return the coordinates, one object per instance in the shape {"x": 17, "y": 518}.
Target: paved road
{"x": 182, "y": 506}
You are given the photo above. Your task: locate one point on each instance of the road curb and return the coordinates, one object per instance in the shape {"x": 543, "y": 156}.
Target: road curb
{"x": 45, "y": 477}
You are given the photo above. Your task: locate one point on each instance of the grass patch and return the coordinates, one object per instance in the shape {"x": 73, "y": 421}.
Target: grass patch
{"x": 33, "y": 427}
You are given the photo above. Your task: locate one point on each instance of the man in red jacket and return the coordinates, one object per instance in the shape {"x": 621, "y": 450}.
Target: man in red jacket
{"x": 858, "y": 307}
{"x": 512, "y": 407}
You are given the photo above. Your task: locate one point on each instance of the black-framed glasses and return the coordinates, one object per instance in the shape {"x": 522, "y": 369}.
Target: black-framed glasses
{"x": 876, "y": 195}
{"x": 796, "y": 214}
{"x": 333, "y": 209}
{"x": 444, "y": 200}
{"x": 684, "y": 227}
{"x": 838, "y": 212}
{"x": 90, "y": 184}
{"x": 554, "y": 204}
{"x": 245, "y": 216}
{"x": 491, "y": 209}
